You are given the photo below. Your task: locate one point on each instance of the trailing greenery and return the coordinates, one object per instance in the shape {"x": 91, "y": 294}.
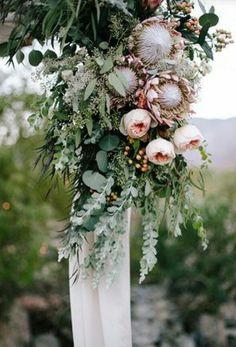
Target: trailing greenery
{"x": 114, "y": 114}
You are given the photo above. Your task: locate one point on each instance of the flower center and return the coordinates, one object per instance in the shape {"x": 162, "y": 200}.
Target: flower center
{"x": 155, "y": 43}
{"x": 160, "y": 157}
{"x": 171, "y": 96}
{"x": 139, "y": 127}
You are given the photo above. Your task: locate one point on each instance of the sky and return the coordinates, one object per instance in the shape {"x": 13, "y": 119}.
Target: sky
{"x": 217, "y": 96}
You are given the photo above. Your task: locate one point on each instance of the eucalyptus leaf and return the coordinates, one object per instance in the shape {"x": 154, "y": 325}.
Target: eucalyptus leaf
{"x": 122, "y": 78}
{"x": 90, "y": 88}
{"x": 101, "y": 158}
{"x": 104, "y": 45}
{"x": 148, "y": 188}
{"x": 35, "y": 57}
{"x": 19, "y": 56}
{"x": 50, "y": 54}
{"x": 116, "y": 84}
{"x": 89, "y": 125}
{"x": 109, "y": 142}
{"x": 108, "y": 65}
{"x": 94, "y": 180}
{"x": 210, "y": 19}
{"x": 77, "y": 138}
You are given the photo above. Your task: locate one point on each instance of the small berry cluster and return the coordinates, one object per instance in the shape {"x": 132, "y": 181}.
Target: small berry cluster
{"x": 112, "y": 197}
{"x": 184, "y": 7}
{"x": 193, "y": 25}
{"x": 140, "y": 161}
{"x": 223, "y": 38}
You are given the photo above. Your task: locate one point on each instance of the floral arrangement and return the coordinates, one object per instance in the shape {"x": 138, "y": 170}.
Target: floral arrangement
{"x": 116, "y": 115}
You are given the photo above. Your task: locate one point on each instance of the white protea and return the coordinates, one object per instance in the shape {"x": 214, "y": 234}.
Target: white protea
{"x": 187, "y": 137}
{"x": 136, "y": 123}
{"x": 160, "y": 152}
{"x": 155, "y": 39}
{"x": 169, "y": 97}
{"x": 129, "y": 78}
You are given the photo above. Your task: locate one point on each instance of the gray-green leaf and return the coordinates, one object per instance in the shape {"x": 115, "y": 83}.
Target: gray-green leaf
{"x": 101, "y": 159}
{"x": 94, "y": 180}
{"x": 108, "y": 65}
{"x": 109, "y": 142}
{"x": 90, "y": 88}
{"x": 116, "y": 84}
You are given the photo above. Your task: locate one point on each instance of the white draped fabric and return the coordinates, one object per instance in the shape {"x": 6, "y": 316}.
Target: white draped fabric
{"x": 101, "y": 317}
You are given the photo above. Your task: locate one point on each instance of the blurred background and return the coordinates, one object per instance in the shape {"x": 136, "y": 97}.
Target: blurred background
{"x": 189, "y": 300}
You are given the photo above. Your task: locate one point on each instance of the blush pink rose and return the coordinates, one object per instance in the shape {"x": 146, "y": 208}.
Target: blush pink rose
{"x": 136, "y": 123}
{"x": 160, "y": 151}
{"x": 188, "y": 137}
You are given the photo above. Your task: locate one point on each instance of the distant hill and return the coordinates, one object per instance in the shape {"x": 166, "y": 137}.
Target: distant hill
{"x": 221, "y": 138}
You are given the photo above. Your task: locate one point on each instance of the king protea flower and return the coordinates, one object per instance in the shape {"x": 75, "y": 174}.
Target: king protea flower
{"x": 169, "y": 97}
{"x": 129, "y": 77}
{"x": 155, "y": 39}
{"x": 160, "y": 152}
{"x": 136, "y": 123}
{"x": 187, "y": 137}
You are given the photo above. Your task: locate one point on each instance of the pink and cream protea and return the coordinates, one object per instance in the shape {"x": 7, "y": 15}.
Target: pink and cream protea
{"x": 169, "y": 97}
{"x": 160, "y": 152}
{"x": 187, "y": 137}
{"x": 136, "y": 123}
{"x": 155, "y": 39}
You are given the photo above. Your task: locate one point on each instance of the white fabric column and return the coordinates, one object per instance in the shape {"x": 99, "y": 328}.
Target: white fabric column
{"x": 101, "y": 317}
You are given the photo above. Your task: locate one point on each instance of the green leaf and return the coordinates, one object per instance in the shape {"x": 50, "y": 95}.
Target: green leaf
{"x": 108, "y": 103}
{"x": 134, "y": 192}
{"x": 119, "y": 50}
{"x": 50, "y": 54}
{"x": 212, "y": 9}
{"x": 109, "y": 142}
{"x": 101, "y": 158}
{"x": 116, "y": 84}
{"x": 19, "y": 56}
{"x": 207, "y": 49}
{"x": 122, "y": 78}
{"x": 35, "y": 57}
{"x": 3, "y": 49}
{"x": 53, "y": 3}
{"x": 207, "y": 21}
{"x": 104, "y": 45}
{"x": 78, "y": 138}
{"x": 99, "y": 61}
{"x": 210, "y": 19}
{"x": 148, "y": 188}
{"x": 202, "y": 6}
{"x": 108, "y": 65}
{"x": 94, "y": 180}
{"x": 89, "y": 125}
{"x": 90, "y": 88}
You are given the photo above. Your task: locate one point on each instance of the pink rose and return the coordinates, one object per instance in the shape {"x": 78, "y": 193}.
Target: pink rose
{"x": 160, "y": 151}
{"x": 136, "y": 123}
{"x": 188, "y": 137}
